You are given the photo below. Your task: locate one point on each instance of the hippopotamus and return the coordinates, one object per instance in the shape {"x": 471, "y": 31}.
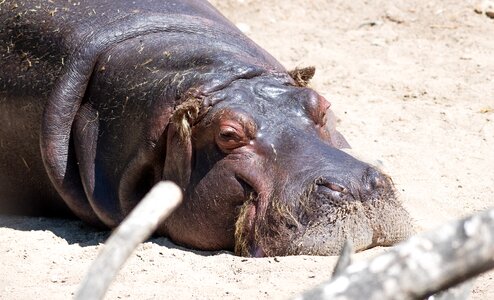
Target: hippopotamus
{"x": 102, "y": 99}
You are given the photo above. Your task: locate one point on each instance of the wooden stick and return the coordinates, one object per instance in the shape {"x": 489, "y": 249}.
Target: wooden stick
{"x": 422, "y": 266}
{"x": 344, "y": 260}
{"x": 163, "y": 198}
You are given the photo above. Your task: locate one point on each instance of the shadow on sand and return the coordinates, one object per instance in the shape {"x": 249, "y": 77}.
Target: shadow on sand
{"x": 71, "y": 230}
{"x": 77, "y": 232}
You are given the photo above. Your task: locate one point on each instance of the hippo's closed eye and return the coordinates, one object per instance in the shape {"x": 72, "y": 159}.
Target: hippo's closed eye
{"x": 231, "y": 135}
{"x": 234, "y": 131}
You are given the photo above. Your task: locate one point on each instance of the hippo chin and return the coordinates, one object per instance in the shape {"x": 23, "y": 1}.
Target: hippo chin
{"x": 102, "y": 100}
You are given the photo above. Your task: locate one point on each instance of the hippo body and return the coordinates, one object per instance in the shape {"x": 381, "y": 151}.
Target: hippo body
{"x": 101, "y": 99}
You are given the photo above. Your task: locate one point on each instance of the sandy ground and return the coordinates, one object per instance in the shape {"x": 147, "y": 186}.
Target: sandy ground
{"x": 412, "y": 82}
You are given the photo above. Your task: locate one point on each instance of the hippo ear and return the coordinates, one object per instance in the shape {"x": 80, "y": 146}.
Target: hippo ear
{"x": 56, "y": 142}
{"x": 337, "y": 139}
{"x": 302, "y": 76}
{"x": 178, "y": 161}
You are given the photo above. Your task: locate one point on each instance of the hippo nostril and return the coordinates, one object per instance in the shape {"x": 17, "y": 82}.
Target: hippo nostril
{"x": 335, "y": 187}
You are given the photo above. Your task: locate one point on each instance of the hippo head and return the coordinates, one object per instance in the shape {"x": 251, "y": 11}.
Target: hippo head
{"x": 263, "y": 174}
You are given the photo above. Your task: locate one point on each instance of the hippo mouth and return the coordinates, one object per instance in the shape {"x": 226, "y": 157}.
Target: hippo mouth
{"x": 319, "y": 220}
{"x": 245, "y": 225}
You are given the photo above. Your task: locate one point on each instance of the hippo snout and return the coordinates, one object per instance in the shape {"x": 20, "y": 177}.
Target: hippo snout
{"x": 357, "y": 204}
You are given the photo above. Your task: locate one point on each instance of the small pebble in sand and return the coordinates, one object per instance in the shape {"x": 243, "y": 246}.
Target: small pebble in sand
{"x": 485, "y": 7}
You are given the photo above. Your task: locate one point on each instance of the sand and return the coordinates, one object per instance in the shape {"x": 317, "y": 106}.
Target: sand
{"x": 412, "y": 85}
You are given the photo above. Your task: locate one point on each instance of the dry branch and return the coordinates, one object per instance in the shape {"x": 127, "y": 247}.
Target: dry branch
{"x": 137, "y": 227}
{"x": 344, "y": 260}
{"x": 422, "y": 266}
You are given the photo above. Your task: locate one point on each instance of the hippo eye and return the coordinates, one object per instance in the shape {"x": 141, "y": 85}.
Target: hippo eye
{"x": 230, "y": 137}
{"x": 228, "y": 133}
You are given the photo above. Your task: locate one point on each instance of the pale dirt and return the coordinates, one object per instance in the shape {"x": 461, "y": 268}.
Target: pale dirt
{"x": 412, "y": 82}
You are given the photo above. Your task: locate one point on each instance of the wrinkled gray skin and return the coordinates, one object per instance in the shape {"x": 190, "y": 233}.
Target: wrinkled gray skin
{"x": 101, "y": 99}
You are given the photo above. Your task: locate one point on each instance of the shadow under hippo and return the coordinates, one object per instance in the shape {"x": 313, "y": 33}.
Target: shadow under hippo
{"x": 96, "y": 108}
